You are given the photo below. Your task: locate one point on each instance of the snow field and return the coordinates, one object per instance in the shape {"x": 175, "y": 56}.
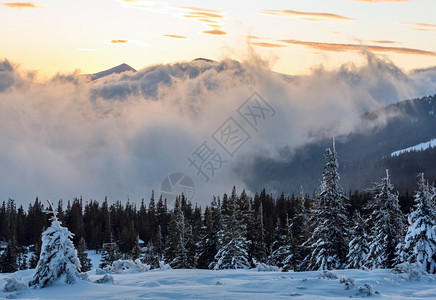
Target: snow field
{"x": 233, "y": 284}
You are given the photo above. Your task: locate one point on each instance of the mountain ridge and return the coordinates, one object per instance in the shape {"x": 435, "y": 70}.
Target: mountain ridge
{"x": 114, "y": 70}
{"x": 363, "y": 156}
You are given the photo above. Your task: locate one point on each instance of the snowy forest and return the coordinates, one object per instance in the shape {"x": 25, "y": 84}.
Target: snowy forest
{"x": 324, "y": 230}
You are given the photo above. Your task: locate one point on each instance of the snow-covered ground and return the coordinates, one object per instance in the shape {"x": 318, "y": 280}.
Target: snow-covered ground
{"x": 95, "y": 258}
{"x": 236, "y": 284}
{"x": 419, "y": 147}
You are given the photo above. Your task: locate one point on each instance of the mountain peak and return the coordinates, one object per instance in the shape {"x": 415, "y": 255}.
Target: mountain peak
{"x": 115, "y": 70}
{"x": 203, "y": 59}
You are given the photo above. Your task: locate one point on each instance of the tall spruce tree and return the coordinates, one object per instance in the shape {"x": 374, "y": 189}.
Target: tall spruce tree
{"x": 328, "y": 245}
{"x": 260, "y": 251}
{"x": 233, "y": 253}
{"x": 162, "y": 218}
{"x": 172, "y": 240}
{"x": 208, "y": 242}
{"x": 359, "y": 244}
{"x": 283, "y": 248}
{"x": 185, "y": 252}
{"x": 3, "y": 222}
{"x": 388, "y": 225}
{"x": 180, "y": 251}
{"x": 420, "y": 241}
{"x": 8, "y": 260}
{"x": 252, "y": 234}
{"x": 58, "y": 257}
{"x": 254, "y": 224}
{"x": 158, "y": 244}
{"x": 152, "y": 218}
{"x": 217, "y": 233}
{"x": 93, "y": 224}
{"x": 299, "y": 229}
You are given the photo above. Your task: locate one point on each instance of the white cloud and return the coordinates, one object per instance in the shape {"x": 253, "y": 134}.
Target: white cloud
{"x": 122, "y": 134}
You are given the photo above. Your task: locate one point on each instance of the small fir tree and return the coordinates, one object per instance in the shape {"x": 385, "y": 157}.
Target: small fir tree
{"x": 136, "y": 250}
{"x": 110, "y": 253}
{"x": 58, "y": 257}
{"x": 33, "y": 261}
{"x": 150, "y": 256}
{"x": 22, "y": 258}
{"x": 85, "y": 261}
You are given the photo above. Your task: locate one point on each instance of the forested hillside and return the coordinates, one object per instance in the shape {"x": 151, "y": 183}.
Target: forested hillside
{"x": 364, "y": 156}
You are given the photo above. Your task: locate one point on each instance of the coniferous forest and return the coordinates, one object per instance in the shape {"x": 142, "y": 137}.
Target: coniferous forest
{"x": 325, "y": 229}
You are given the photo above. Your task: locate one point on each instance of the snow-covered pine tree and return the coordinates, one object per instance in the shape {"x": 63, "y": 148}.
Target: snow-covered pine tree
{"x": 224, "y": 211}
{"x": 299, "y": 228}
{"x": 85, "y": 261}
{"x": 158, "y": 244}
{"x": 208, "y": 239}
{"x": 58, "y": 257}
{"x": 22, "y": 261}
{"x": 283, "y": 247}
{"x": 150, "y": 256}
{"x": 180, "y": 251}
{"x": 328, "y": 245}
{"x": 359, "y": 245}
{"x": 251, "y": 234}
{"x": 388, "y": 225}
{"x": 111, "y": 253}
{"x": 217, "y": 233}
{"x": 8, "y": 260}
{"x": 233, "y": 253}
{"x": 420, "y": 241}
{"x": 136, "y": 250}
{"x": 33, "y": 261}
{"x": 260, "y": 254}
{"x": 254, "y": 227}
{"x": 172, "y": 240}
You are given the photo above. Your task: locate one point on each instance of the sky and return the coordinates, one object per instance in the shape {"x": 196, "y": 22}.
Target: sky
{"x": 312, "y": 66}
{"x": 51, "y": 36}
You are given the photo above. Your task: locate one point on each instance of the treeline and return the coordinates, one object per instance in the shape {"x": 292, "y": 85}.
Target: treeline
{"x": 326, "y": 230}
{"x": 105, "y": 221}
{"x": 123, "y": 223}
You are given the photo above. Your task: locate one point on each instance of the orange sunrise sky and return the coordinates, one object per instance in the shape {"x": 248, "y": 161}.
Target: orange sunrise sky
{"x": 62, "y": 36}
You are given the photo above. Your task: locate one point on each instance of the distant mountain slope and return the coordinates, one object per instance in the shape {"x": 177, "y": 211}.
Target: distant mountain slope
{"x": 147, "y": 81}
{"x": 115, "y": 70}
{"x": 363, "y": 157}
{"x": 420, "y": 147}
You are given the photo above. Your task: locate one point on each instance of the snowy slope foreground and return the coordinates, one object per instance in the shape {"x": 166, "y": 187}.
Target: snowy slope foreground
{"x": 237, "y": 284}
{"x": 419, "y": 147}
